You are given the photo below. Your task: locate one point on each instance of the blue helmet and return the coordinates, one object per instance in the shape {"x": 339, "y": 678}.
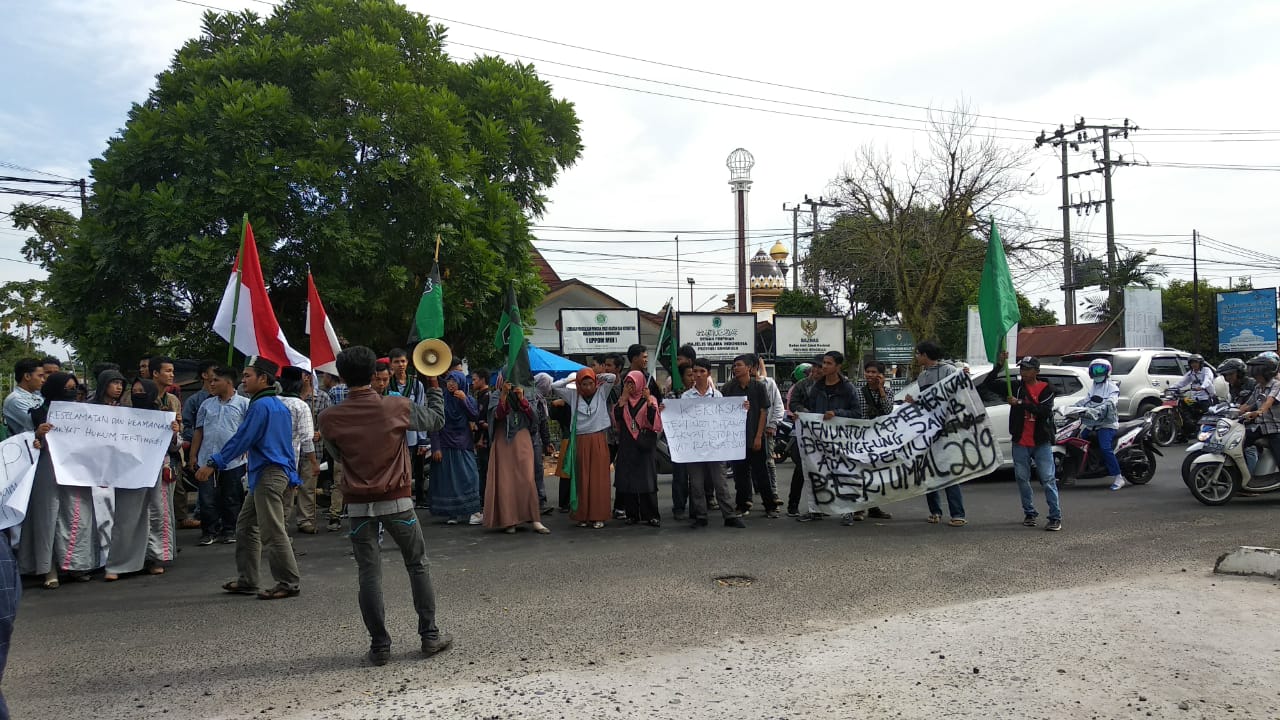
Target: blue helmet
{"x": 1100, "y": 370}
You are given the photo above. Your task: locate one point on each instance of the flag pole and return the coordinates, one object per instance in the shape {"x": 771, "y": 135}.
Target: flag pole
{"x": 1008, "y": 383}
{"x": 235, "y": 302}
{"x": 437, "y": 258}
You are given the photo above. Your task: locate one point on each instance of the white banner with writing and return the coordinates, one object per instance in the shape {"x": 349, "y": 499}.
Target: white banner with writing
{"x": 99, "y": 445}
{"x": 17, "y": 472}
{"x": 718, "y": 336}
{"x": 941, "y": 440}
{"x": 705, "y": 429}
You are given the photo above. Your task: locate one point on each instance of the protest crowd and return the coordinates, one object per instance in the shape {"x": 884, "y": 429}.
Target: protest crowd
{"x": 256, "y": 454}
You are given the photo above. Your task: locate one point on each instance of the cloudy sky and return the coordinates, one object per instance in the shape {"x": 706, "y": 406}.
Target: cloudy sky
{"x": 1188, "y": 73}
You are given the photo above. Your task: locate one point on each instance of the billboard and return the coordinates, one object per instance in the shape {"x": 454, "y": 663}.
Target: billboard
{"x": 803, "y": 336}
{"x": 1247, "y": 321}
{"x": 1143, "y": 313}
{"x": 894, "y": 345}
{"x": 719, "y": 336}
{"x": 589, "y": 331}
{"x": 976, "y": 347}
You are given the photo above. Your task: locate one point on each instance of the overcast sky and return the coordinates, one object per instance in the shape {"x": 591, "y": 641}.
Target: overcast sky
{"x": 72, "y": 68}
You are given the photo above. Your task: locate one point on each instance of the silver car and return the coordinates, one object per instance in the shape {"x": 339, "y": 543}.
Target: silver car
{"x": 1142, "y": 374}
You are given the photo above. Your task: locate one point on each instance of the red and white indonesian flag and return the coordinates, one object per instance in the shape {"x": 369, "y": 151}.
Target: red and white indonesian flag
{"x": 324, "y": 341}
{"x": 257, "y": 332}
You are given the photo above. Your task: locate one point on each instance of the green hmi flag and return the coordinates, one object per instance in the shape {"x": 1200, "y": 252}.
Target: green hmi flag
{"x": 509, "y": 340}
{"x": 997, "y": 300}
{"x": 667, "y": 350}
{"x": 428, "y": 321}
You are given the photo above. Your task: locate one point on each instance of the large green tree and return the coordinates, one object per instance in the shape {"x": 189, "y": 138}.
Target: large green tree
{"x": 350, "y": 139}
{"x": 1178, "y": 300}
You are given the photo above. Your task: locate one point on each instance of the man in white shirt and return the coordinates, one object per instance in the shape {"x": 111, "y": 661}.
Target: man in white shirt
{"x": 28, "y": 376}
{"x": 706, "y": 477}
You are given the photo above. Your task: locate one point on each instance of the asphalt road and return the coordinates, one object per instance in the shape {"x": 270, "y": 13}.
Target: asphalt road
{"x": 176, "y": 646}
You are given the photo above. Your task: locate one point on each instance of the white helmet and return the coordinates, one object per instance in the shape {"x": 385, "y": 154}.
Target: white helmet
{"x": 1100, "y": 370}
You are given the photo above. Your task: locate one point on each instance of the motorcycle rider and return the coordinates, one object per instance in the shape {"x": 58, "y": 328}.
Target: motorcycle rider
{"x": 1262, "y": 407}
{"x": 1239, "y": 385}
{"x": 1200, "y": 379}
{"x": 1101, "y": 417}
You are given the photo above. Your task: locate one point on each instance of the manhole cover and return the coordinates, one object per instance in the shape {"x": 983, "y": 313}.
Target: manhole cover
{"x": 734, "y": 581}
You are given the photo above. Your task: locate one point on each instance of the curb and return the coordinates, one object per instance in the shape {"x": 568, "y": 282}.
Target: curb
{"x": 1248, "y": 560}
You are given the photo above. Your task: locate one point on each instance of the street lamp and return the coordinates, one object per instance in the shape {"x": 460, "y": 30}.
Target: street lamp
{"x": 690, "y": 281}
{"x": 740, "y": 163}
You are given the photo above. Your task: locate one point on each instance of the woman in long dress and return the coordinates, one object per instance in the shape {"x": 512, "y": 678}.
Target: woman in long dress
{"x": 142, "y": 535}
{"x": 589, "y": 421}
{"x": 455, "y": 480}
{"x": 58, "y": 532}
{"x": 635, "y": 473}
{"x": 510, "y": 495}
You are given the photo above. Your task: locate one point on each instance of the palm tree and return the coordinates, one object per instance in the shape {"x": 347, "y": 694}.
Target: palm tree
{"x": 1132, "y": 269}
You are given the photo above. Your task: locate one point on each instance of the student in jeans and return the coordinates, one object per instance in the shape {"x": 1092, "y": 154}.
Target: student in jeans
{"x": 216, "y": 420}
{"x": 751, "y": 471}
{"x": 1031, "y": 430}
{"x": 929, "y": 355}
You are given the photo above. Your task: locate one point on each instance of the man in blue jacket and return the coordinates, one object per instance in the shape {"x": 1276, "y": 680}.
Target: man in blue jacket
{"x": 267, "y": 435}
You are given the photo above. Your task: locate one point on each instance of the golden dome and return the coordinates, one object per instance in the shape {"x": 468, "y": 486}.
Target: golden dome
{"x": 778, "y": 251}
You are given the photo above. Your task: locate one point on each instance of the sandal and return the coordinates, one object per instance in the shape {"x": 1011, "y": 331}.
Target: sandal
{"x": 655, "y": 522}
{"x": 279, "y": 592}
{"x": 110, "y": 577}
{"x": 582, "y": 524}
{"x": 511, "y": 530}
{"x": 238, "y": 588}
{"x": 542, "y": 530}
{"x": 51, "y": 584}
{"x": 958, "y": 522}
{"x": 597, "y": 525}
{"x": 934, "y": 519}
{"x": 155, "y": 570}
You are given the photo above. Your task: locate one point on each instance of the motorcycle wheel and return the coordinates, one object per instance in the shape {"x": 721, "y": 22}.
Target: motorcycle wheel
{"x": 1164, "y": 431}
{"x": 1138, "y": 466}
{"x": 1212, "y": 490}
{"x": 1186, "y": 467}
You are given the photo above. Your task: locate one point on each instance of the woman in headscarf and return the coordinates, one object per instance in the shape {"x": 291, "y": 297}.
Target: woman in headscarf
{"x": 110, "y": 390}
{"x": 58, "y": 532}
{"x": 143, "y": 534}
{"x": 635, "y": 474}
{"x": 589, "y": 402}
{"x": 455, "y": 481}
{"x": 540, "y": 434}
{"x": 510, "y": 496}
{"x": 562, "y": 413}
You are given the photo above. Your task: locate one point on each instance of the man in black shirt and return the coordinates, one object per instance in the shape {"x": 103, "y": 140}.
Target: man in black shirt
{"x": 876, "y": 402}
{"x": 751, "y": 471}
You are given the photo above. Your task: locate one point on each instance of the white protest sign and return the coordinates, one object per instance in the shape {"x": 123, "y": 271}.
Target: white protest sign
{"x": 941, "y": 440}
{"x": 593, "y": 331}
{"x": 17, "y": 472}
{"x": 705, "y": 429}
{"x": 92, "y": 445}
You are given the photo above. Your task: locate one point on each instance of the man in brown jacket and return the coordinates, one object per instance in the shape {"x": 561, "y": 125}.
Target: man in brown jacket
{"x": 366, "y": 434}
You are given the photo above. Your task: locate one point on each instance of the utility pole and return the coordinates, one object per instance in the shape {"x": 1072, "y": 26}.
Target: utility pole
{"x": 821, "y": 202}
{"x": 1079, "y": 135}
{"x": 84, "y": 200}
{"x": 1195, "y": 289}
{"x": 677, "y": 273}
{"x": 795, "y": 244}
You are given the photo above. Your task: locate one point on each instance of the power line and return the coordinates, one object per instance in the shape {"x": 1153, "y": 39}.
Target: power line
{"x": 13, "y": 166}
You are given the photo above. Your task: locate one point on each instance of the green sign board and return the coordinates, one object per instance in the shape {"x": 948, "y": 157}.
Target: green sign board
{"x": 894, "y": 345}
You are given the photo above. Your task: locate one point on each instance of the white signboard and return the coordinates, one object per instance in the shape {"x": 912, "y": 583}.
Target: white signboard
{"x": 705, "y": 429}
{"x": 100, "y": 445}
{"x": 942, "y": 439}
{"x": 1143, "y": 313}
{"x": 804, "y": 337}
{"x": 719, "y": 336}
{"x": 590, "y": 331}
{"x": 976, "y": 349}
{"x": 17, "y": 472}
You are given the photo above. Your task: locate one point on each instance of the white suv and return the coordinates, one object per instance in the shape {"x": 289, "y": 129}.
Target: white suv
{"x": 1142, "y": 374}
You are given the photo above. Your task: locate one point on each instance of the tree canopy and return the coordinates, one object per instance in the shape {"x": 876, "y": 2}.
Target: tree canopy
{"x": 350, "y": 139}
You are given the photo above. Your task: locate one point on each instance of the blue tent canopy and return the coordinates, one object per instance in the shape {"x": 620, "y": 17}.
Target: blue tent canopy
{"x": 541, "y": 361}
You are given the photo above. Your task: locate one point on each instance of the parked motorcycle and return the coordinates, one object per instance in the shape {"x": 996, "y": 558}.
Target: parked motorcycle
{"x": 1208, "y": 422}
{"x": 1219, "y": 470}
{"x": 1176, "y": 417}
{"x": 1077, "y": 458}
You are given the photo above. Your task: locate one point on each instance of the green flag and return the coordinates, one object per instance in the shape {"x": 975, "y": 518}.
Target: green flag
{"x": 667, "y": 349}
{"x": 997, "y": 301}
{"x": 570, "y": 460}
{"x": 428, "y": 321}
{"x": 509, "y": 339}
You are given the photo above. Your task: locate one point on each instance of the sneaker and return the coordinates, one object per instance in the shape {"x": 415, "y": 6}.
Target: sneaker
{"x": 619, "y": 514}
{"x": 205, "y": 540}
{"x": 698, "y": 523}
{"x": 878, "y": 514}
{"x": 793, "y": 513}
{"x": 808, "y": 517}
{"x": 451, "y": 521}
{"x": 307, "y": 529}
{"x": 227, "y": 539}
{"x": 713, "y": 505}
{"x": 859, "y": 515}
{"x": 734, "y": 522}
{"x": 848, "y": 519}
{"x": 335, "y": 524}
{"x": 563, "y": 510}
{"x": 379, "y": 656}
{"x": 476, "y": 519}
{"x": 440, "y": 643}
{"x": 772, "y": 515}
{"x": 546, "y": 509}
{"x": 1118, "y": 482}
{"x": 1054, "y": 526}
{"x": 1028, "y": 520}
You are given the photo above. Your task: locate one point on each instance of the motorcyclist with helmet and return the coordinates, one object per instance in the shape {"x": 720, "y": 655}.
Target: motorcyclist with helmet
{"x": 1200, "y": 379}
{"x": 1262, "y": 408}
{"x": 1102, "y": 418}
{"x": 1239, "y": 385}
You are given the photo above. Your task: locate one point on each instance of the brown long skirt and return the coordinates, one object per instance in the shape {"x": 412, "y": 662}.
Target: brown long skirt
{"x": 510, "y": 495}
{"x": 594, "y": 501}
